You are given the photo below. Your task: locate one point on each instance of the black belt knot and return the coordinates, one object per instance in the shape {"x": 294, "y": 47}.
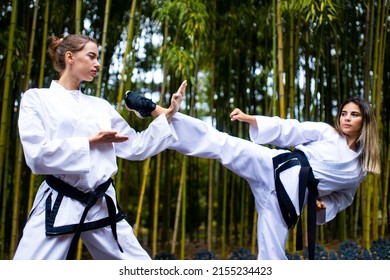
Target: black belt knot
{"x": 306, "y": 181}
{"x": 89, "y": 199}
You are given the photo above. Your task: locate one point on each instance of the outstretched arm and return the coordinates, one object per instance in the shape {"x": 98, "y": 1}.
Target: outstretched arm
{"x": 114, "y": 137}
{"x": 176, "y": 100}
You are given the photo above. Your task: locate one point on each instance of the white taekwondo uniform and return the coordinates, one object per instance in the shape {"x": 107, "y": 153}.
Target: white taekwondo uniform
{"x": 54, "y": 126}
{"x": 336, "y": 167}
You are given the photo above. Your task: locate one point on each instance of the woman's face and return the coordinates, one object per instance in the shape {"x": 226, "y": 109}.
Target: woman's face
{"x": 84, "y": 64}
{"x": 351, "y": 120}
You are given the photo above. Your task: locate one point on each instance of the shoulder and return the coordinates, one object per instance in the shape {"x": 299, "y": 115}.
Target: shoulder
{"x": 33, "y": 95}
{"x": 33, "y": 91}
{"x": 317, "y": 130}
{"x": 320, "y": 126}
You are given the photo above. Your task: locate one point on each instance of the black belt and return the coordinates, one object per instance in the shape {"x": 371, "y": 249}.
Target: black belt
{"x": 306, "y": 181}
{"x": 89, "y": 199}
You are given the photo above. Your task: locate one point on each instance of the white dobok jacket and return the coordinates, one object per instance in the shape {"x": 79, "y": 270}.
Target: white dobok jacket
{"x": 54, "y": 126}
{"x": 337, "y": 167}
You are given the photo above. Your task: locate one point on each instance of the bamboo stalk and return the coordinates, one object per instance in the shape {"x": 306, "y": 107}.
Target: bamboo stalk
{"x": 210, "y": 208}
{"x": 19, "y": 151}
{"x": 178, "y": 204}
{"x": 16, "y": 201}
{"x": 145, "y": 178}
{"x": 78, "y": 16}
{"x": 224, "y": 214}
{"x": 129, "y": 41}
{"x": 183, "y": 212}
{"x": 254, "y": 232}
{"x": 385, "y": 195}
{"x": 156, "y": 204}
{"x": 282, "y": 106}
{"x": 5, "y": 111}
{"x": 103, "y": 44}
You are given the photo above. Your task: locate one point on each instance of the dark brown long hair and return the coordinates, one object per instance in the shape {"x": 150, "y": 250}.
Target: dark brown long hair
{"x": 368, "y": 140}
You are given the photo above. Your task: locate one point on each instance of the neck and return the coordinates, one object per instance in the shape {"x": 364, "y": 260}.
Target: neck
{"x": 352, "y": 143}
{"x": 69, "y": 83}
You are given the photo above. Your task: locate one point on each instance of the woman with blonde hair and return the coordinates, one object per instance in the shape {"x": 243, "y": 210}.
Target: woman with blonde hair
{"x": 323, "y": 171}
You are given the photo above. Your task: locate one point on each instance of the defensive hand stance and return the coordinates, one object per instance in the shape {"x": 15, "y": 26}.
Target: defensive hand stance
{"x": 74, "y": 139}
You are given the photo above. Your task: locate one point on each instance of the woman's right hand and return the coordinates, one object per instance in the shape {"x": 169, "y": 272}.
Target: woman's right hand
{"x": 176, "y": 100}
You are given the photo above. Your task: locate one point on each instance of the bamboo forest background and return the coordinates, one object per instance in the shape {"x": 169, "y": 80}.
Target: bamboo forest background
{"x": 293, "y": 59}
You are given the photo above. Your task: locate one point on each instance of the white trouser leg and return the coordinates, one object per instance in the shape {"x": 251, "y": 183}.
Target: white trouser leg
{"x": 35, "y": 245}
{"x": 250, "y": 161}
{"x": 272, "y": 232}
{"x": 102, "y": 245}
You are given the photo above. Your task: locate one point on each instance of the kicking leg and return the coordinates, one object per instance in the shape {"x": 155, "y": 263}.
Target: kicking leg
{"x": 200, "y": 139}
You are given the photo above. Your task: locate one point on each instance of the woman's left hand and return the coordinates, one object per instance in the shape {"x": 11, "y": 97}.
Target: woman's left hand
{"x": 320, "y": 204}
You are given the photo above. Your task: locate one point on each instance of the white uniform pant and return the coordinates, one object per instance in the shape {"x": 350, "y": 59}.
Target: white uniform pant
{"x": 252, "y": 162}
{"x": 35, "y": 245}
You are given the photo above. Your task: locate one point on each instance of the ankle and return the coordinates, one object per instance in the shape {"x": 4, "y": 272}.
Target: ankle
{"x": 158, "y": 111}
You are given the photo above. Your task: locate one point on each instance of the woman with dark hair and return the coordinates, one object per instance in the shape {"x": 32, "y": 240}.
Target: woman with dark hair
{"x": 74, "y": 139}
{"x": 323, "y": 171}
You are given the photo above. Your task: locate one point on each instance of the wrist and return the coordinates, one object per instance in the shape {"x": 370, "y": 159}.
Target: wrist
{"x": 169, "y": 114}
{"x": 157, "y": 111}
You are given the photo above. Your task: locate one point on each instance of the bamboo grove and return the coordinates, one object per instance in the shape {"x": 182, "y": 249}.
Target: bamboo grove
{"x": 294, "y": 59}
